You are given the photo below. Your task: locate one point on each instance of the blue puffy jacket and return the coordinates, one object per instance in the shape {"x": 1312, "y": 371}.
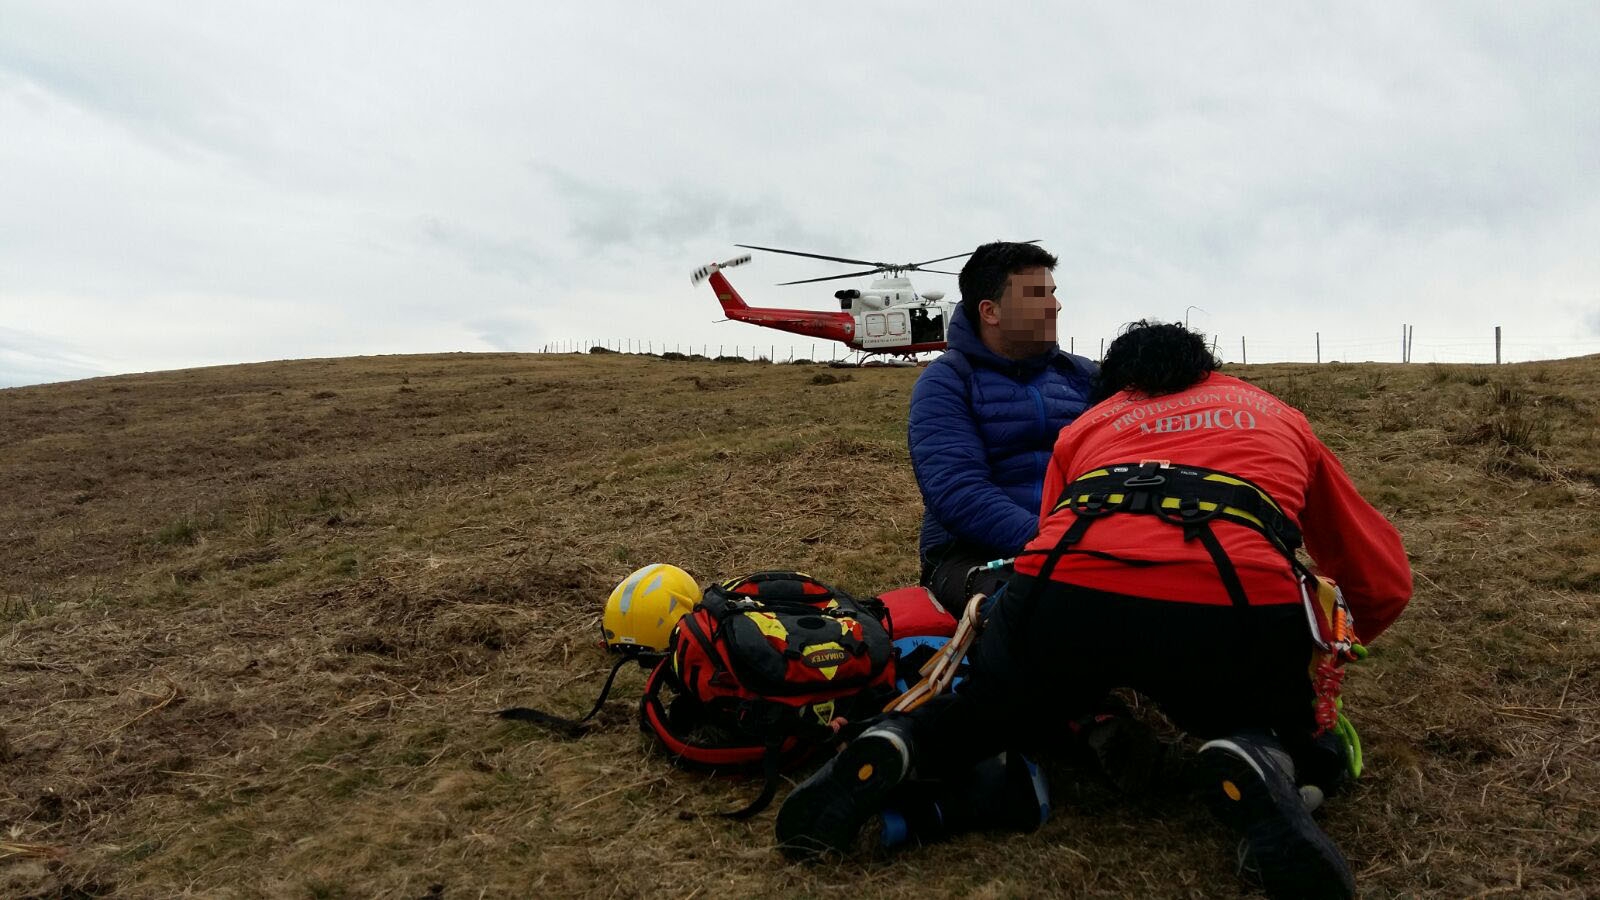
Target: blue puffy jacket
{"x": 981, "y": 431}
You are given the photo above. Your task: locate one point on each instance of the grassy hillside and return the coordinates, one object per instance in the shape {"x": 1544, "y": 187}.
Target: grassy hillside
{"x": 253, "y": 621}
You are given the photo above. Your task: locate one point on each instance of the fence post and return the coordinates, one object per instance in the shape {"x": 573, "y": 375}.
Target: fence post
{"x": 1102, "y": 349}
{"x": 1244, "y": 357}
{"x": 1319, "y": 348}
{"x": 1070, "y": 347}
{"x": 1497, "y": 345}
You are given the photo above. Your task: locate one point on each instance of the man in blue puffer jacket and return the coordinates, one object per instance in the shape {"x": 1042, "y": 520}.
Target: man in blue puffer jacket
{"x": 984, "y": 418}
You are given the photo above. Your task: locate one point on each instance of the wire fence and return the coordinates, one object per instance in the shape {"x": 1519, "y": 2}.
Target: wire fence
{"x": 1314, "y": 347}
{"x": 819, "y": 351}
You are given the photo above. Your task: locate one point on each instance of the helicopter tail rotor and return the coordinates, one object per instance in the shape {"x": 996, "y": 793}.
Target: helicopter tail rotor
{"x": 704, "y": 272}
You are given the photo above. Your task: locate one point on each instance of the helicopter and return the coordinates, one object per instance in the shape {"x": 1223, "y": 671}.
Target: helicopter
{"x": 889, "y": 317}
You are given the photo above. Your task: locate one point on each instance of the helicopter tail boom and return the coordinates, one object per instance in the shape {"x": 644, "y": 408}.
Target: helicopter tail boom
{"x": 732, "y": 303}
{"x": 834, "y": 326}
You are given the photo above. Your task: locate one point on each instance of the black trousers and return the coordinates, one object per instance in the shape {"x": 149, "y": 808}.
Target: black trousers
{"x": 1050, "y": 653}
{"x": 946, "y": 569}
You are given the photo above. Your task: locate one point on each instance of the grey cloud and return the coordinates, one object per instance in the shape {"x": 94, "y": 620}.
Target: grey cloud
{"x": 28, "y": 358}
{"x": 508, "y": 333}
{"x": 487, "y": 176}
{"x": 486, "y": 253}
{"x": 171, "y": 101}
{"x": 605, "y": 217}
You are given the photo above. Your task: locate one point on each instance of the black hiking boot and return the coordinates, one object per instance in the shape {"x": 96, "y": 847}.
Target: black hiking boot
{"x": 827, "y": 811}
{"x": 1251, "y": 789}
{"x": 1004, "y": 793}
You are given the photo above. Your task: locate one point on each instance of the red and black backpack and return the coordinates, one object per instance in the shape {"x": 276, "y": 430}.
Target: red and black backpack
{"x": 764, "y": 672}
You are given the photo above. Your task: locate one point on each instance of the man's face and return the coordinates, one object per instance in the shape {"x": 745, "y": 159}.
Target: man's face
{"x": 1026, "y": 314}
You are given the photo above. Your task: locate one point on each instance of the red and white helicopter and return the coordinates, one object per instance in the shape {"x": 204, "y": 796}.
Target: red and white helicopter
{"x": 888, "y": 317}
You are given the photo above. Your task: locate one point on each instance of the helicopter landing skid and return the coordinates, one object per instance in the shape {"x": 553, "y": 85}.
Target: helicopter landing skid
{"x": 858, "y": 360}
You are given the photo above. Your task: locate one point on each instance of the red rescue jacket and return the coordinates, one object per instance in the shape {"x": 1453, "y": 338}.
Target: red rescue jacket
{"x": 1229, "y": 426}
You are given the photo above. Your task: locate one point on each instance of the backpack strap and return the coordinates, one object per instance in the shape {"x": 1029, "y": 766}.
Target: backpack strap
{"x": 771, "y": 755}
{"x": 653, "y": 718}
{"x": 573, "y": 727}
{"x": 770, "y": 766}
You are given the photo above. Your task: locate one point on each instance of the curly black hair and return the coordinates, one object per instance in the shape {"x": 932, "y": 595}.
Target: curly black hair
{"x": 987, "y": 270}
{"x": 1154, "y": 358}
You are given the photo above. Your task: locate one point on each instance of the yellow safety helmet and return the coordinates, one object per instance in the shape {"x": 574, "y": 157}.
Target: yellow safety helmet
{"x": 641, "y": 611}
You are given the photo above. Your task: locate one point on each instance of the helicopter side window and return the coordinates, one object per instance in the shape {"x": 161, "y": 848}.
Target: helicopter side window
{"x": 897, "y": 323}
{"x": 875, "y": 325}
{"x": 927, "y": 326}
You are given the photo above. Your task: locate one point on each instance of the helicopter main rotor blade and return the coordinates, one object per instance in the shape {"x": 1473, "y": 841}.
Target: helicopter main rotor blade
{"x": 935, "y": 271}
{"x": 860, "y": 262}
{"x": 831, "y": 277}
{"x": 943, "y": 258}
{"x": 954, "y": 256}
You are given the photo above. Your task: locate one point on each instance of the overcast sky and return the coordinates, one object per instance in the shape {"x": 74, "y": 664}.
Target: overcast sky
{"x": 202, "y": 183}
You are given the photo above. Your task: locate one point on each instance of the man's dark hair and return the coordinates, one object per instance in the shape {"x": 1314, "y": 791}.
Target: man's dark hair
{"x": 984, "y": 276}
{"x": 1153, "y": 358}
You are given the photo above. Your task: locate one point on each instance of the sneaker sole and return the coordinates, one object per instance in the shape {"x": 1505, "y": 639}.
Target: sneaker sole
{"x": 1295, "y": 857}
{"x": 825, "y": 813}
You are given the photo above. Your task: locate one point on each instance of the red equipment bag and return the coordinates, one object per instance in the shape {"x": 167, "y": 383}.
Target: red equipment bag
{"x": 762, "y": 670}
{"x": 913, "y": 612}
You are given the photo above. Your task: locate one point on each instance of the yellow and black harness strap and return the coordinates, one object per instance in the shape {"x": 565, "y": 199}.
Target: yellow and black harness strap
{"x": 1188, "y": 496}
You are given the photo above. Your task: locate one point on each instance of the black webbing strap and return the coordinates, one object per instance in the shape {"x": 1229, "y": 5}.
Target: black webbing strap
{"x": 573, "y": 727}
{"x": 1188, "y": 496}
{"x": 770, "y": 766}
{"x": 1182, "y": 495}
{"x": 1225, "y": 569}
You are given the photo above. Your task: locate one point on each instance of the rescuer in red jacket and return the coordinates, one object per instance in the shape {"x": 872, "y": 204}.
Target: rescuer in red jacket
{"x": 1164, "y": 563}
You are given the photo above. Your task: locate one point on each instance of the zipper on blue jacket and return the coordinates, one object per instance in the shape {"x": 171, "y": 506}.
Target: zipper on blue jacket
{"x": 1038, "y": 406}
{"x": 1044, "y": 426}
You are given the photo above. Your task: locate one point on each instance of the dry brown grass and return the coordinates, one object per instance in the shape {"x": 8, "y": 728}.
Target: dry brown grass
{"x": 253, "y": 620}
